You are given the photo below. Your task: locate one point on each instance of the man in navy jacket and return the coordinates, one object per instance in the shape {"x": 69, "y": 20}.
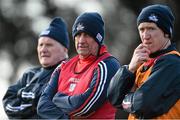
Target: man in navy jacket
{"x": 20, "y": 100}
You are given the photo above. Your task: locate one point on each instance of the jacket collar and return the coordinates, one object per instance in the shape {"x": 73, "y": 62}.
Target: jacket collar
{"x": 161, "y": 52}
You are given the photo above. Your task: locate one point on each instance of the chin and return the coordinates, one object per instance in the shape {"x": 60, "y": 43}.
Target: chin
{"x": 82, "y": 53}
{"x": 45, "y": 63}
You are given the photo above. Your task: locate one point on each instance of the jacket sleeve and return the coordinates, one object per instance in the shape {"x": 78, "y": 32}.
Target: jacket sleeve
{"x": 160, "y": 91}
{"x": 88, "y": 102}
{"x": 120, "y": 85}
{"x": 46, "y": 108}
{"x": 12, "y": 101}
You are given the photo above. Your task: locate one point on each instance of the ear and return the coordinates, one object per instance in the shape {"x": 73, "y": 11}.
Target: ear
{"x": 65, "y": 50}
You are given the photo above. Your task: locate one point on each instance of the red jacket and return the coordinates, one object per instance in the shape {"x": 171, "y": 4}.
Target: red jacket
{"x": 82, "y": 87}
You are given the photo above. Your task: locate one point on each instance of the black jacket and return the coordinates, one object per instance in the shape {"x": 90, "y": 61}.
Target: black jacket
{"x": 20, "y": 100}
{"x": 157, "y": 95}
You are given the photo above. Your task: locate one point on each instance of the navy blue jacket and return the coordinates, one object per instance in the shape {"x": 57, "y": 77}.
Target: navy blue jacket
{"x": 21, "y": 99}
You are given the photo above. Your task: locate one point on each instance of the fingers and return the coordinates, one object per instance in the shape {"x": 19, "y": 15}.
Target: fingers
{"x": 143, "y": 58}
{"x": 142, "y": 49}
{"x": 141, "y": 55}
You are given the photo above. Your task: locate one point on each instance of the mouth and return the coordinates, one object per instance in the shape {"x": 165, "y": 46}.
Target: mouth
{"x": 82, "y": 47}
{"x": 45, "y": 56}
{"x": 147, "y": 44}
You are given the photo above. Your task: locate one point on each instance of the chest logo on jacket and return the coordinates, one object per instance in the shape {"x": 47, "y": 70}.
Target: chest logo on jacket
{"x": 72, "y": 83}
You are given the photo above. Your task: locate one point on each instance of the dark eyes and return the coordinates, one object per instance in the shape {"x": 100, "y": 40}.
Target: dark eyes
{"x": 48, "y": 45}
{"x": 82, "y": 34}
{"x": 149, "y": 28}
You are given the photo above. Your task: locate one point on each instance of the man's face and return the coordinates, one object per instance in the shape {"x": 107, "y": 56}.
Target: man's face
{"x": 50, "y": 52}
{"x": 152, "y": 36}
{"x": 85, "y": 45}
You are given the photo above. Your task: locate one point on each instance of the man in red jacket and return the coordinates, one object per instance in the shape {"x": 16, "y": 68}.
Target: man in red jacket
{"x": 78, "y": 87}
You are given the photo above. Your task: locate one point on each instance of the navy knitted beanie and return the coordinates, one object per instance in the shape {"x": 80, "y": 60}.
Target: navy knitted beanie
{"x": 58, "y": 31}
{"x": 161, "y": 15}
{"x": 90, "y": 23}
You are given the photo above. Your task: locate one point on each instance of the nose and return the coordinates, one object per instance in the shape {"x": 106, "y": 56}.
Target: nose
{"x": 146, "y": 35}
{"x": 81, "y": 38}
{"x": 43, "y": 48}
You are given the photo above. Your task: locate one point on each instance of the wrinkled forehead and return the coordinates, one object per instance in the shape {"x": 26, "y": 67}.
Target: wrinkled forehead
{"x": 147, "y": 25}
{"x": 46, "y": 39}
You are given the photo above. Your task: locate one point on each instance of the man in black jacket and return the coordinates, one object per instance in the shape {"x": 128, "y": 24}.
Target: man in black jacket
{"x": 149, "y": 87}
{"x": 20, "y": 100}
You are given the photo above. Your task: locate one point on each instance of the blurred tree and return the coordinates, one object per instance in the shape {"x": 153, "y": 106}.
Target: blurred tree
{"x": 20, "y": 21}
{"x": 19, "y": 39}
{"x": 17, "y": 36}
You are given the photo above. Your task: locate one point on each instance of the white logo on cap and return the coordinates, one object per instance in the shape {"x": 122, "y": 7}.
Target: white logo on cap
{"x": 99, "y": 37}
{"x": 153, "y": 17}
{"x": 45, "y": 32}
{"x": 170, "y": 29}
{"x": 79, "y": 27}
